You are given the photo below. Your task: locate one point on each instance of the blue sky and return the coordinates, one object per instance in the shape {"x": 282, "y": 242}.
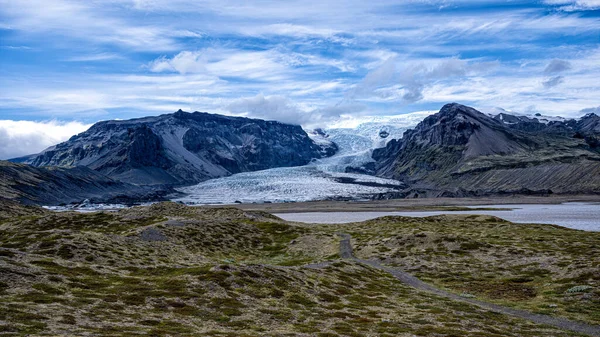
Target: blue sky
{"x": 65, "y": 63}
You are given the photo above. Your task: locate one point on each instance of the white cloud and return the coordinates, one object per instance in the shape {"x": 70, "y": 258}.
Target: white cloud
{"x": 557, "y": 66}
{"x": 284, "y": 110}
{"x": 222, "y": 63}
{"x": 64, "y": 101}
{"x": 299, "y": 59}
{"x": 553, "y": 81}
{"x": 406, "y": 83}
{"x": 87, "y": 22}
{"x": 384, "y": 75}
{"x": 408, "y": 119}
{"x": 567, "y": 99}
{"x": 575, "y": 5}
{"x": 16, "y": 47}
{"x": 303, "y": 89}
{"x": 183, "y": 63}
{"x": 273, "y": 64}
{"x": 269, "y": 107}
{"x": 298, "y": 31}
{"x": 216, "y": 51}
{"x": 94, "y": 57}
{"x": 338, "y": 111}
{"x": 19, "y": 138}
{"x": 595, "y": 110}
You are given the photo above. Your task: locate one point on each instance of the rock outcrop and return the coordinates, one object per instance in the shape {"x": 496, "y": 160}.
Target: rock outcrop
{"x": 183, "y": 148}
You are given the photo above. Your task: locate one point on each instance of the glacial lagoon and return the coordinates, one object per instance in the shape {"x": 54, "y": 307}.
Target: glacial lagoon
{"x": 575, "y": 215}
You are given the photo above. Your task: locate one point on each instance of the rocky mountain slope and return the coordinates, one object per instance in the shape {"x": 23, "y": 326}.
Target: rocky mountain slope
{"x": 461, "y": 151}
{"x": 586, "y": 125}
{"x": 183, "y": 148}
{"x": 53, "y": 186}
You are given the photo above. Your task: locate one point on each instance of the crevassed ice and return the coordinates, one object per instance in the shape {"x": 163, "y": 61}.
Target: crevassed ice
{"x": 316, "y": 181}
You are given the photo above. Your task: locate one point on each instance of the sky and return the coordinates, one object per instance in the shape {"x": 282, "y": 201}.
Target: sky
{"x": 65, "y": 64}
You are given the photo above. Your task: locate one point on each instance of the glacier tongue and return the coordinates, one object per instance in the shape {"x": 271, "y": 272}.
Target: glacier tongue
{"x": 320, "y": 180}
{"x": 303, "y": 183}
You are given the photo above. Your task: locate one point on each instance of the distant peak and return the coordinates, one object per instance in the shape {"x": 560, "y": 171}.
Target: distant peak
{"x": 451, "y": 105}
{"x": 181, "y": 114}
{"x": 455, "y": 108}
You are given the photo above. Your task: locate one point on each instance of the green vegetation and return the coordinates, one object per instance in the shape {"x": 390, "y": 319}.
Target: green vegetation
{"x": 542, "y": 268}
{"x": 168, "y": 269}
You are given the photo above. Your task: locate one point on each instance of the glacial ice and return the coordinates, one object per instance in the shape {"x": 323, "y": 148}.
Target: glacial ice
{"x": 319, "y": 180}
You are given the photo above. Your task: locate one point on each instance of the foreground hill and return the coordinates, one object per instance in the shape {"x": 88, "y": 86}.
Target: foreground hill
{"x": 54, "y": 185}
{"x": 183, "y": 148}
{"x": 461, "y": 151}
{"x": 169, "y": 269}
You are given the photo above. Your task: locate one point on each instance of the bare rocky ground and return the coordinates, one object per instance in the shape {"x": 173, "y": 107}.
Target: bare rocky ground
{"x": 168, "y": 269}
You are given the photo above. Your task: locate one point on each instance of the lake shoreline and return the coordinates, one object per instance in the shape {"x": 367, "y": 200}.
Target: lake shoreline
{"x": 574, "y": 215}
{"x": 407, "y": 205}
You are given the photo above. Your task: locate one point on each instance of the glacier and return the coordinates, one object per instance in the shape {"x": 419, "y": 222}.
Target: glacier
{"x": 323, "y": 179}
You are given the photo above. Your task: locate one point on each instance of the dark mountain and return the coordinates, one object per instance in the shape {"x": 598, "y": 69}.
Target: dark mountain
{"x": 522, "y": 123}
{"x": 54, "y": 186}
{"x": 461, "y": 151}
{"x": 183, "y": 148}
{"x": 587, "y": 125}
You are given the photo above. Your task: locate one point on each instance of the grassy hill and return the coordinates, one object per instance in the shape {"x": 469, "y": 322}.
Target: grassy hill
{"x": 169, "y": 269}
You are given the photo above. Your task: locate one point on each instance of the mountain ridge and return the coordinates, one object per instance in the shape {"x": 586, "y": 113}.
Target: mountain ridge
{"x": 55, "y": 185}
{"x": 463, "y": 150}
{"x": 183, "y": 148}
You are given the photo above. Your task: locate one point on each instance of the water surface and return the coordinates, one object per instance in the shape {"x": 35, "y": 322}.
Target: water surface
{"x": 576, "y": 215}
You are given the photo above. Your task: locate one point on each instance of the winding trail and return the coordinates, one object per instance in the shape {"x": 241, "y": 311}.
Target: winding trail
{"x": 346, "y": 252}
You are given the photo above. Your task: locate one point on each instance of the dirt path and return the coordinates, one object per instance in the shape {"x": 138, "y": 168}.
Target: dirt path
{"x": 561, "y": 323}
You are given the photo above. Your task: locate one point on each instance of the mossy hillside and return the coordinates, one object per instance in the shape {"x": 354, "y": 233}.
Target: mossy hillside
{"x": 527, "y": 266}
{"x": 167, "y": 233}
{"x": 10, "y": 209}
{"x": 343, "y": 299}
{"x": 175, "y": 270}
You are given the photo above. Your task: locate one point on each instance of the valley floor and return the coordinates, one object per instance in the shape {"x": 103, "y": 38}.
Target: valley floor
{"x": 169, "y": 269}
{"x": 419, "y": 204}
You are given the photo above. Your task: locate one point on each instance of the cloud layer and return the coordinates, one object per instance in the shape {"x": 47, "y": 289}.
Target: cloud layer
{"x": 307, "y": 62}
{"x": 20, "y": 138}
{"x": 558, "y": 66}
